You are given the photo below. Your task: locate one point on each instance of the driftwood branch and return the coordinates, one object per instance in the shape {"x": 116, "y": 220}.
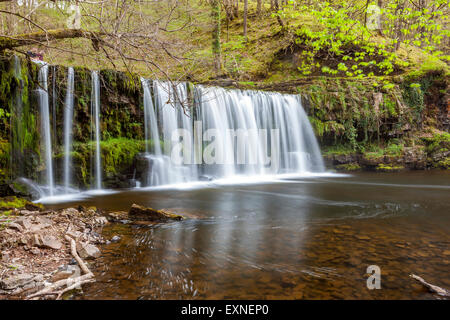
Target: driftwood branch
{"x": 435, "y": 289}
{"x": 20, "y": 40}
{"x": 70, "y": 283}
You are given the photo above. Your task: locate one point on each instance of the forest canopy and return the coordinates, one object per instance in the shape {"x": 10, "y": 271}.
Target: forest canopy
{"x": 246, "y": 40}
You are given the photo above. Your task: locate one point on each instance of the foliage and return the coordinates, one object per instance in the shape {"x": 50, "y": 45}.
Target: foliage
{"x": 339, "y": 43}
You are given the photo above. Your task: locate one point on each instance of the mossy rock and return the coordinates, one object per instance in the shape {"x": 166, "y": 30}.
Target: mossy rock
{"x": 9, "y": 203}
{"x": 389, "y": 167}
{"x": 142, "y": 213}
{"x": 348, "y": 167}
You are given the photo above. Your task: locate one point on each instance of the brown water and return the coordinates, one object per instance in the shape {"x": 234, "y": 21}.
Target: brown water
{"x": 303, "y": 239}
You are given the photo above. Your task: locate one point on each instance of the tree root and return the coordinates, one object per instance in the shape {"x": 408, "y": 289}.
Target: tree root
{"x": 70, "y": 283}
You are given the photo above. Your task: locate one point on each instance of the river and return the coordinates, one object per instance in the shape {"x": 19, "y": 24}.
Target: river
{"x": 300, "y": 238}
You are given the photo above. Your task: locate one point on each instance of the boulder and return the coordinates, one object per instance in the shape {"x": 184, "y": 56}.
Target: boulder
{"x": 71, "y": 212}
{"x": 88, "y": 251}
{"x": 25, "y": 188}
{"x": 148, "y": 214}
{"x": 50, "y": 242}
{"x": 16, "y": 281}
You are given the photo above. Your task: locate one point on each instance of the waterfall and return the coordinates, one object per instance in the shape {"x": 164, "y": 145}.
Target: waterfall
{"x": 45, "y": 125}
{"x": 168, "y": 100}
{"x": 68, "y": 128}
{"x": 95, "y": 110}
{"x": 255, "y": 134}
{"x": 279, "y": 115}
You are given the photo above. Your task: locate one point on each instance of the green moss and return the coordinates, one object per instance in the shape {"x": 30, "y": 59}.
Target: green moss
{"x": 5, "y": 213}
{"x": 389, "y": 168}
{"x": 349, "y": 167}
{"x": 338, "y": 149}
{"x": 394, "y": 149}
{"x": 119, "y": 153}
{"x": 439, "y": 142}
{"x": 8, "y": 203}
{"x": 444, "y": 164}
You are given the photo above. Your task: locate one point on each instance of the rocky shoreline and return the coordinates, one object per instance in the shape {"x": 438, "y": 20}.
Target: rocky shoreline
{"x": 45, "y": 254}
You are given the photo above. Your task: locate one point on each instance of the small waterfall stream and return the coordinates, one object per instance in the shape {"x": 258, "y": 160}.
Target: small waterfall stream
{"x": 95, "y": 109}
{"x": 45, "y": 126}
{"x": 68, "y": 128}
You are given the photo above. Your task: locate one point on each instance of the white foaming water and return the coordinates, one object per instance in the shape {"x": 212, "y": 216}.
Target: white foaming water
{"x": 45, "y": 125}
{"x": 68, "y": 129}
{"x": 169, "y": 112}
{"x": 229, "y": 112}
{"x": 95, "y": 110}
{"x": 294, "y": 148}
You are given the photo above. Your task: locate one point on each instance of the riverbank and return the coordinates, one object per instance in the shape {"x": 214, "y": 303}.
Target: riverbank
{"x": 36, "y": 252}
{"x": 47, "y": 253}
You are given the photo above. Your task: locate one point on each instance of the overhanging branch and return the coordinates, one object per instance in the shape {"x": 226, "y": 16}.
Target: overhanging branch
{"x": 20, "y": 40}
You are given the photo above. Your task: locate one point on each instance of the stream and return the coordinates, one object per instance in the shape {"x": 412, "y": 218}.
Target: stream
{"x": 299, "y": 238}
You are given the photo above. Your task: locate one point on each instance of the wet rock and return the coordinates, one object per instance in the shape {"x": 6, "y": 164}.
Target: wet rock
{"x": 51, "y": 242}
{"x": 148, "y": 214}
{"x": 25, "y": 188}
{"x": 118, "y": 216}
{"x": 71, "y": 212}
{"x": 115, "y": 239}
{"x": 88, "y": 251}
{"x": 33, "y": 206}
{"x": 101, "y": 220}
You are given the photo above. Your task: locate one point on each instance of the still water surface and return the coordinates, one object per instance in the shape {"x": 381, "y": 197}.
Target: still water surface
{"x": 304, "y": 238}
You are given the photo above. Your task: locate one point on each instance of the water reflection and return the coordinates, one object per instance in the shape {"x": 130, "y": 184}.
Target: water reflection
{"x": 307, "y": 239}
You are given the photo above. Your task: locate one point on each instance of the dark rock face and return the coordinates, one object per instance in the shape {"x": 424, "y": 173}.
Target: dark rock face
{"x": 24, "y": 188}
{"x": 138, "y": 212}
{"x": 142, "y": 168}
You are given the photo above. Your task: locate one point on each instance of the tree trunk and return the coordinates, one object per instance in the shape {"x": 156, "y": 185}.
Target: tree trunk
{"x": 245, "y": 18}
{"x": 236, "y": 8}
{"x": 258, "y": 7}
{"x": 277, "y": 8}
{"x": 215, "y": 13}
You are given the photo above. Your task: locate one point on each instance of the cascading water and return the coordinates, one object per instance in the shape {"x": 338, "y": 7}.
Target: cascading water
{"x": 68, "y": 128}
{"x": 168, "y": 100}
{"x": 255, "y": 134}
{"x": 45, "y": 125}
{"x": 95, "y": 110}
{"x": 274, "y": 124}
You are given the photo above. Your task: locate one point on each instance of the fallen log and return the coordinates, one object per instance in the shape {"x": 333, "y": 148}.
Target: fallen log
{"x": 435, "y": 289}
{"x": 45, "y": 36}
